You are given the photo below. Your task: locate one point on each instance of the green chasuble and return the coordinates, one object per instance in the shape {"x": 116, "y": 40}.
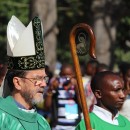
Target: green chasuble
{"x": 13, "y": 118}
{"x": 99, "y": 124}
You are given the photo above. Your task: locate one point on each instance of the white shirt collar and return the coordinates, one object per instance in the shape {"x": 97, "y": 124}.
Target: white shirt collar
{"x": 105, "y": 115}
{"x": 29, "y": 111}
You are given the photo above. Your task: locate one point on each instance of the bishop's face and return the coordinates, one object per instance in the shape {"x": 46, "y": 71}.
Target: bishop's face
{"x": 33, "y": 84}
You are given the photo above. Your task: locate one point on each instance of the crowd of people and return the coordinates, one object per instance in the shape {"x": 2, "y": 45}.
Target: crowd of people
{"x": 33, "y": 98}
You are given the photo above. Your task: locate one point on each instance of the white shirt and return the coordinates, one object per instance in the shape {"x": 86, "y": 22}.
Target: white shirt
{"x": 126, "y": 108}
{"x": 105, "y": 115}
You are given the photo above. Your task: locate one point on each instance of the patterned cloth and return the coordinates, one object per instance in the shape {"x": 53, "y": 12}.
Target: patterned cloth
{"x": 90, "y": 98}
{"x": 67, "y": 113}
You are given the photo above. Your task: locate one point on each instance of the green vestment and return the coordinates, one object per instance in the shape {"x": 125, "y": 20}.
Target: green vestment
{"x": 99, "y": 124}
{"x": 13, "y": 118}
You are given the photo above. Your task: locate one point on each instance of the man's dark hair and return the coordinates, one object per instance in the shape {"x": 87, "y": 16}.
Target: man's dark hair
{"x": 99, "y": 79}
{"x": 11, "y": 74}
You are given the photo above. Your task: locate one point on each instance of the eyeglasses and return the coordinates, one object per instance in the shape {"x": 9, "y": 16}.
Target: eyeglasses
{"x": 37, "y": 80}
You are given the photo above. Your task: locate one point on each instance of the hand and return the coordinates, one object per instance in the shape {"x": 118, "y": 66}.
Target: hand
{"x": 74, "y": 81}
{"x": 72, "y": 84}
{"x": 54, "y": 83}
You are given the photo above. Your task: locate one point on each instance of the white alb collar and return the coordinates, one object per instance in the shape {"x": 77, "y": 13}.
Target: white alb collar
{"x": 105, "y": 115}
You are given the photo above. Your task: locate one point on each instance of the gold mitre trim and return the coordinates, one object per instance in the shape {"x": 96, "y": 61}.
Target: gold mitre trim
{"x": 27, "y": 52}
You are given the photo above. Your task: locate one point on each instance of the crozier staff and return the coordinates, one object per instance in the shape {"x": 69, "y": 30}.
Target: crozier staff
{"x": 79, "y": 36}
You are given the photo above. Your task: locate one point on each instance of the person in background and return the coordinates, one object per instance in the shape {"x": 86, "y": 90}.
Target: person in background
{"x": 90, "y": 70}
{"x": 91, "y": 67}
{"x": 125, "y": 74}
{"x": 25, "y": 79}
{"x": 3, "y": 69}
{"x": 108, "y": 89}
{"x": 62, "y": 100}
{"x": 102, "y": 67}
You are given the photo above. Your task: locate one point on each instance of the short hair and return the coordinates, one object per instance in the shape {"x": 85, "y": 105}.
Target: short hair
{"x": 64, "y": 66}
{"x": 102, "y": 67}
{"x": 93, "y": 63}
{"x": 124, "y": 67}
{"x": 11, "y": 74}
{"x": 99, "y": 79}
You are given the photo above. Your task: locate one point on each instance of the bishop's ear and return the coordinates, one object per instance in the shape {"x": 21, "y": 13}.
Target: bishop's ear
{"x": 17, "y": 83}
{"x": 98, "y": 94}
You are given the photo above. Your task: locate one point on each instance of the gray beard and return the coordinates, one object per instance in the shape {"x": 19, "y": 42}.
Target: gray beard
{"x": 29, "y": 98}
{"x": 37, "y": 101}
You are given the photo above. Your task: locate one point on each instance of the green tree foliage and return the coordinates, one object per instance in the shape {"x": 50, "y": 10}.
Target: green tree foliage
{"x": 71, "y": 12}
{"x": 76, "y": 11}
{"x": 8, "y": 8}
{"x": 122, "y": 48}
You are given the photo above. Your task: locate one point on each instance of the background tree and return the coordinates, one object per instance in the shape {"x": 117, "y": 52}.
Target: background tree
{"x": 109, "y": 19}
{"x": 105, "y": 17}
{"x": 122, "y": 52}
{"x": 47, "y": 11}
{"x": 71, "y": 13}
{"x": 7, "y": 9}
